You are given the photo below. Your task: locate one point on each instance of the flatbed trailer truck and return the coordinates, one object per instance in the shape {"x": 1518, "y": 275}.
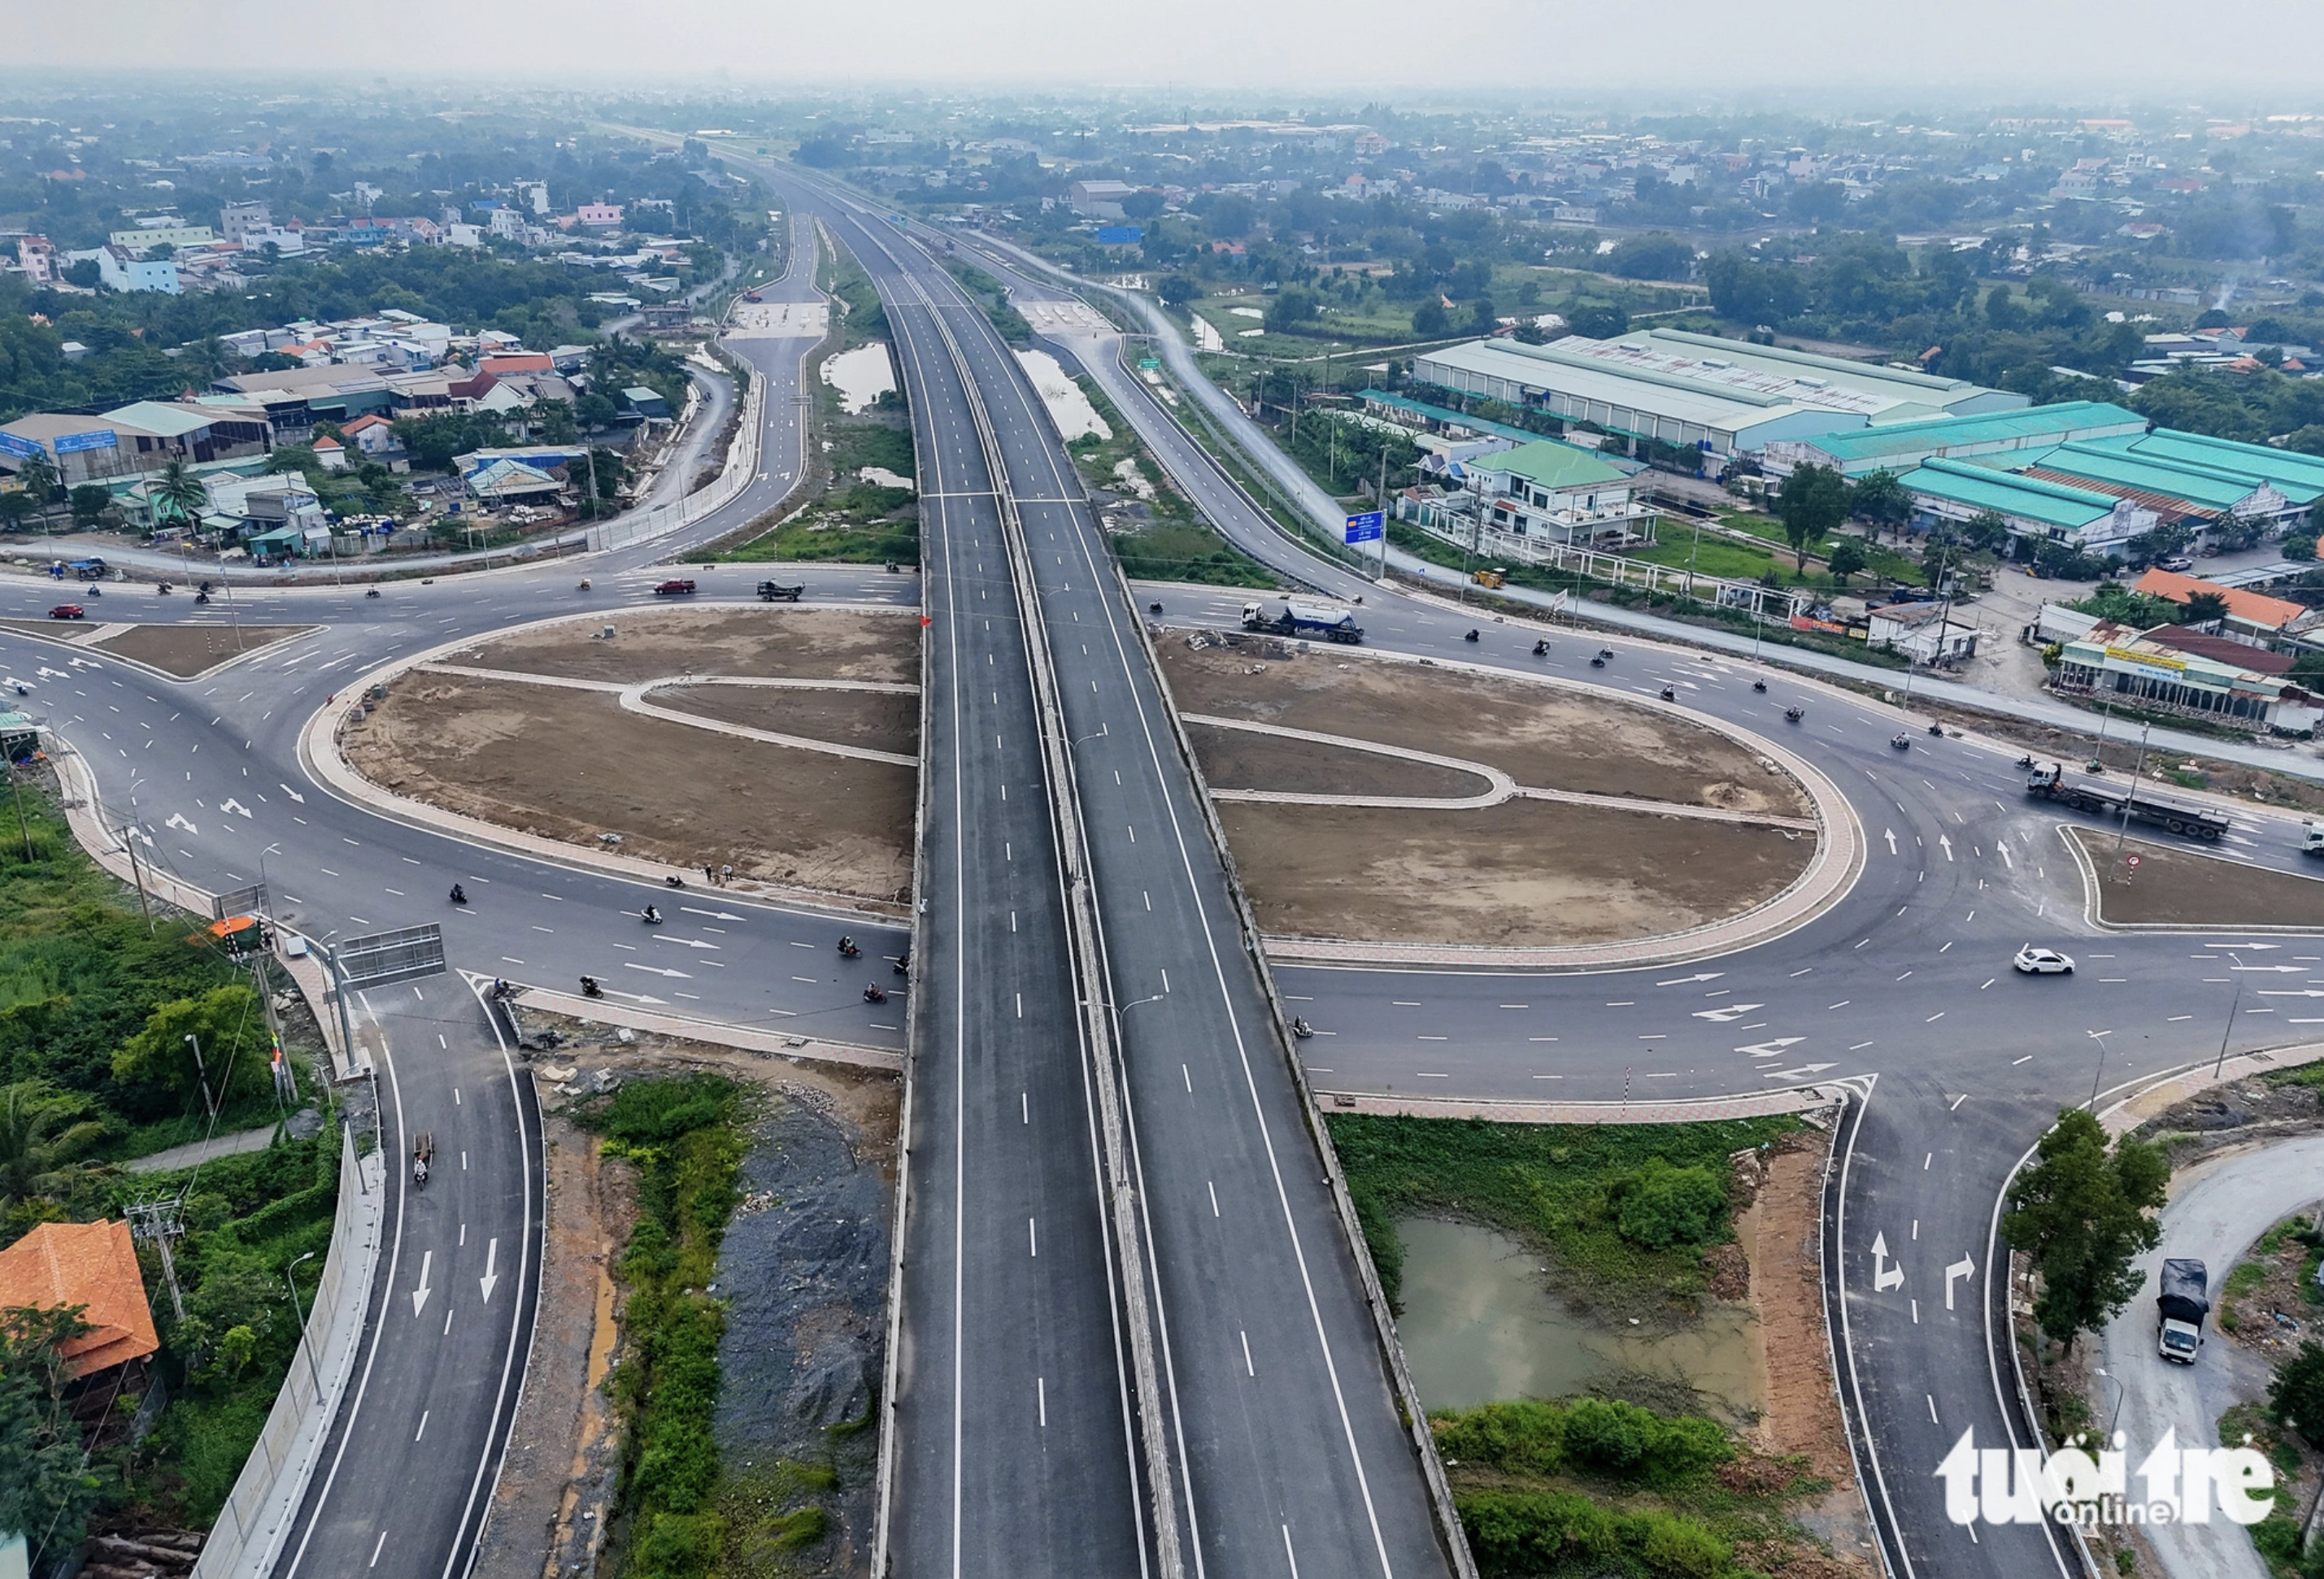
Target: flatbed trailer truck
{"x": 2146, "y": 804}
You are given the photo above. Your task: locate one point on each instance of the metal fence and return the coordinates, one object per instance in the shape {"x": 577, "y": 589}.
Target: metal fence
{"x": 240, "y": 902}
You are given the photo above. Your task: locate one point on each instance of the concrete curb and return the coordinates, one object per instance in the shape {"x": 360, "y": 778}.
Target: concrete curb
{"x": 319, "y": 751}
{"x": 1693, "y": 1110}
{"x": 2160, "y": 1095}
{"x": 2071, "y": 836}
{"x": 1830, "y": 873}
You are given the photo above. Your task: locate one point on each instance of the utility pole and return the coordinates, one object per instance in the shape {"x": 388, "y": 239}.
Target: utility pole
{"x": 158, "y": 1222}
{"x": 129, "y": 837}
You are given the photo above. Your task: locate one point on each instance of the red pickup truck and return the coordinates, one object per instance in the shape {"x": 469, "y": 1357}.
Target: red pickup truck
{"x": 673, "y": 589}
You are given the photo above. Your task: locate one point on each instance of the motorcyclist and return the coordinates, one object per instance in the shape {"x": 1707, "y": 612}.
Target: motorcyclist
{"x": 1795, "y": 714}
{"x": 1937, "y": 729}
{"x": 1760, "y": 685}
{"x": 847, "y": 946}
{"x": 1670, "y": 693}
{"x": 652, "y": 916}
{"x": 1472, "y": 636}
{"x": 1302, "y": 1029}
{"x": 459, "y": 894}
{"x": 373, "y": 593}
{"x": 589, "y": 988}
{"x": 874, "y": 995}
{"x": 1541, "y": 648}
{"x": 419, "y": 1170}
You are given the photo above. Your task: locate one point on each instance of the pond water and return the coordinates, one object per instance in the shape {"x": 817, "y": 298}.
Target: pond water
{"x": 1069, "y": 408}
{"x": 860, "y": 377}
{"x": 1480, "y": 1323}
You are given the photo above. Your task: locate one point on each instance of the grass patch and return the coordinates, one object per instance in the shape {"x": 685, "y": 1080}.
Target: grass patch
{"x": 1625, "y": 1210}
{"x": 1596, "y": 1487}
{"x": 853, "y": 521}
{"x": 2277, "y": 1536}
{"x": 684, "y": 1133}
{"x": 1164, "y": 538}
{"x": 863, "y": 320}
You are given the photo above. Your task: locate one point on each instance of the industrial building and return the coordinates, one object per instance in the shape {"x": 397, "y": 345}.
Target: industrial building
{"x": 2084, "y": 519}
{"x": 1723, "y": 397}
{"x": 1899, "y": 447}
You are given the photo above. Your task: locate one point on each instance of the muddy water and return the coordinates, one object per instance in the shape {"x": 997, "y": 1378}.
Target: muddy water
{"x": 860, "y": 377}
{"x": 1480, "y": 1322}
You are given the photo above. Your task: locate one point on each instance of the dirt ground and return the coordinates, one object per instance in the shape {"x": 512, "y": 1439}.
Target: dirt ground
{"x": 775, "y": 640}
{"x": 1234, "y": 760}
{"x": 876, "y": 720}
{"x": 560, "y": 1462}
{"x": 187, "y": 650}
{"x": 1546, "y": 738}
{"x": 572, "y": 764}
{"x": 1779, "y": 1233}
{"x": 805, "y": 1257}
{"x": 1525, "y": 874}
{"x": 2175, "y": 886}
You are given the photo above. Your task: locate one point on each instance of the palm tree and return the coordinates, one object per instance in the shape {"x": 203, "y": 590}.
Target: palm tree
{"x": 42, "y": 1137}
{"x": 39, "y": 475}
{"x": 181, "y": 491}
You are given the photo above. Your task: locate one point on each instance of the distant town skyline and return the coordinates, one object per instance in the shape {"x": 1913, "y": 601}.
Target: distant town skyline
{"x": 1494, "y": 48}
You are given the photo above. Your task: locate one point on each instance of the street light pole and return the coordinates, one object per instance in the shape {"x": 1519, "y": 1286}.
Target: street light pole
{"x": 2099, "y": 1073}
{"x": 2229, "y": 1030}
{"x": 314, "y": 1373}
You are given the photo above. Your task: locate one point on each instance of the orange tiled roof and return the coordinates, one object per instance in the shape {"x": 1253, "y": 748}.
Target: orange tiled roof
{"x": 2253, "y": 608}
{"x": 91, "y": 1264}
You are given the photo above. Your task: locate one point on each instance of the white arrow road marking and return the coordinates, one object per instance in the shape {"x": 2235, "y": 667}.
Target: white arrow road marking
{"x": 293, "y": 794}
{"x": 1769, "y": 1049}
{"x": 1727, "y": 1012}
{"x": 2232, "y": 947}
{"x": 1802, "y": 1072}
{"x": 686, "y": 942}
{"x": 1890, "y": 835}
{"x": 491, "y": 1278}
{"x": 1884, "y": 1278}
{"x": 1698, "y": 977}
{"x": 420, "y": 1295}
{"x": 1963, "y": 1267}
{"x": 2291, "y": 991}
{"x": 1947, "y": 845}
{"x": 658, "y": 970}
{"x": 2270, "y": 970}
{"x": 178, "y": 820}
{"x": 714, "y": 915}
{"x": 235, "y": 806}
{"x": 2005, "y": 861}
{"x": 634, "y": 997}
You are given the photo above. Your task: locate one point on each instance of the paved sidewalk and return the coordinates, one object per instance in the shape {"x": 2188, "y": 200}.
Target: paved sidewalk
{"x": 1692, "y": 1111}
{"x": 195, "y": 1152}
{"x": 2151, "y": 1101}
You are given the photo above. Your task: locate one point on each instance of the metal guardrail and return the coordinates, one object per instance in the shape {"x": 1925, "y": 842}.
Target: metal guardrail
{"x": 400, "y": 955}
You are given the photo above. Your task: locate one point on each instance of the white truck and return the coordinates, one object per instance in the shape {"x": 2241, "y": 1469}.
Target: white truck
{"x": 2312, "y": 838}
{"x": 1298, "y": 616}
{"x": 2180, "y": 1308}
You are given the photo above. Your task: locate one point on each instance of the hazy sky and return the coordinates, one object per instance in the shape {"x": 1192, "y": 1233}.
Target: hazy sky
{"x": 1912, "y": 50}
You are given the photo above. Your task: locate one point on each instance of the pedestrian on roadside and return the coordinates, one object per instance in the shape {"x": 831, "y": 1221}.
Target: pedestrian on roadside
{"x": 707, "y": 876}
{"x": 726, "y": 875}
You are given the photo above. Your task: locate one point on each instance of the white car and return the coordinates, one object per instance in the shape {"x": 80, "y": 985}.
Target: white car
{"x": 2043, "y": 962}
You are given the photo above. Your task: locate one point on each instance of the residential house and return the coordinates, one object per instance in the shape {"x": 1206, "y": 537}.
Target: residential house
{"x": 36, "y": 255}
{"x": 236, "y": 220}
{"x": 119, "y": 269}
{"x": 92, "y": 1268}
{"x": 2253, "y": 618}
{"x": 330, "y": 453}
{"x": 1552, "y": 492}
{"x": 1923, "y": 631}
{"x": 373, "y": 438}
{"x": 598, "y": 216}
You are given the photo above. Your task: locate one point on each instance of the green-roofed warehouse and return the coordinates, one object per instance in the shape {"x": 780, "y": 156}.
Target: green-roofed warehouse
{"x": 1898, "y": 446}
{"x": 2175, "y": 489}
{"x": 2080, "y": 517}
{"x": 2298, "y": 478}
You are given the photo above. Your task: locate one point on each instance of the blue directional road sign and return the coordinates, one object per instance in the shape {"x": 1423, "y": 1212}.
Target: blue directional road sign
{"x": 1367, "y": 528}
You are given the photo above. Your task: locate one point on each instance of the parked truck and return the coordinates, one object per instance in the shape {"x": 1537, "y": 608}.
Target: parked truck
{"x": 2312, "y": 838}
{"x": 2184, "y": 1302}
{"x": 1295, "y": 616}
{"x": 2087, "y": 792}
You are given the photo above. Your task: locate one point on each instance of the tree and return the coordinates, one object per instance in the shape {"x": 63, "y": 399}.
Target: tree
{"x": 1812, "y": 502}
{"x": 1429, "y": 320}
{"x": 2160, "y": 543}
{"x": 2299, "y": 545}
{"x": 2296, "y": 1397}
{"x": 1848, "y": 556}
{"x": 90, "y": 500}
{"x": 39, "y": 475}
{"x": 157, "y": 1070}
{"x": 1881, "y": 500}
{"x": 1292, "y": 311}
{"x": 2084, "y": 1212}
{"x": 1987, "y": 532}
{"x": 2204, "y": 608}
{"x": 43, "y": 1133}
{"x": 1596, "y": 322}
{"x": 47, "y": 1492}
{"x": 1179, "y": 290}
{"x": 178, "y": 494}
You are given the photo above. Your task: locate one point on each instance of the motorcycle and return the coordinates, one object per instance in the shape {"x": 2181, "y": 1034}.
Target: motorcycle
{"x": 201, "y": 597}
{"x": 583, "y": 586}
{"x": 650, "y": 916}
{"x": 161, "y": 588}
{"x": 590, "y": 989}
{"x": 1598, "y": 663}
{"x": 1541, "y": 648}
{"x": 1795, "y": 714}
{"x": 373, "y": 592}
{"x": 459, "y": 894}
{"x": 1670, "y": 694}
{"x": 1153, "y": 608}
{"x": 2026, "y": 760}
{"x": 875, "y": 995}
{"x": 1472, "y": 636}
{"x": 847, "y": 949}
{"x": 1938, "y": 730}
{"x": 1759, "y": 686}
{"x": 903, "y": 962}
{"x": 1301, "y": 1029}
{"x": 673, "y": 880}
{"x": 1903, "y": 742}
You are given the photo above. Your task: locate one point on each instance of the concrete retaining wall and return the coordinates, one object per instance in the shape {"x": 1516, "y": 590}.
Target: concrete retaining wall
{"x": 257, "y": 1517}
